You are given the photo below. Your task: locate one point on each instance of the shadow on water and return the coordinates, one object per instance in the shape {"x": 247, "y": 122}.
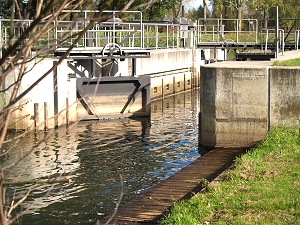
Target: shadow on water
{"x": 95, "y": 153}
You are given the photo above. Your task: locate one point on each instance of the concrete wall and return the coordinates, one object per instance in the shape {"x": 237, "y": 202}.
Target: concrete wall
{"x": 43, "y": 93}
{"x": 171, "y": 71}
{"x": 241, "y": 101}
{"x": 165, "y": 60}
{"x": 169, "y": 84}
{"x": 284, "y": 96}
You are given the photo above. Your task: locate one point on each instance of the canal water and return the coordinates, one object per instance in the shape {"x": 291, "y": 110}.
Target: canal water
{"x": 102, "y": 158}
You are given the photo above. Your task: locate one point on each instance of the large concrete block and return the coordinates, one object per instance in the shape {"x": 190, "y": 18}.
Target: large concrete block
{"x": 233, "y": 104}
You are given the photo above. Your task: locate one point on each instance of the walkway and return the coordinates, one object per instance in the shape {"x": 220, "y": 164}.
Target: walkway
{"x": 149, "y": 207}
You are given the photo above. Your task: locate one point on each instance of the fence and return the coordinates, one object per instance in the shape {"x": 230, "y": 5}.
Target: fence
{"x": 136, "y": 33}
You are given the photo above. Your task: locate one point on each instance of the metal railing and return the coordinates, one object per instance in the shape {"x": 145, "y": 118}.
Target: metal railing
{"x": 216, "y": 30}
{"x": 297, "y": 38}
{"x": 138, "y": 34}
{"x": 280, "y": 40}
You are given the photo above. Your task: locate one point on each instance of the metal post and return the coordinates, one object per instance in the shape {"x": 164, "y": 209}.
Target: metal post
{"x": 282, "y": 42}
{"x": 36, "y": 117}
{"x": 85, "y": 34}
{"x": 237, "y": 31}
{"x": 55, "y": 96}
{"x": 267, "y": 36}
{"x": 67, "y": 111}
{"x": 276, "y": 33}
{"x": 45, "y": 116}
{"x": 297, "y": 40}
{"x": 142, "y": 31}
{"x": 261, "y": 38}
{"x": 256, "y": 30}
{"x": 167, "y": 30}
{"x": 218, "y": 31}
{"x": 156, "y": 37}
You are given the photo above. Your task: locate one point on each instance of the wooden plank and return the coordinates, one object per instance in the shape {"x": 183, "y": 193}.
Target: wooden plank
{"x": 150, "y": 206}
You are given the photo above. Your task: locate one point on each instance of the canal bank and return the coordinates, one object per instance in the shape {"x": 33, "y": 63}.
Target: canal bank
{"x": 252, "y": 99}
{"x": 241, "y": 101}
{"x": 80, "y": 88}
{"x": 260, "y": 188}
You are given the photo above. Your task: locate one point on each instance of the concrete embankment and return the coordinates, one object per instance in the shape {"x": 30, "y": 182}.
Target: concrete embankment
{"x": 64, "y": 96}
{"x": 241, "y": 101}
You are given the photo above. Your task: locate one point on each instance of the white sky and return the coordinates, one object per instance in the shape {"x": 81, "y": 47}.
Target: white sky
{"x": 197, "y": 3}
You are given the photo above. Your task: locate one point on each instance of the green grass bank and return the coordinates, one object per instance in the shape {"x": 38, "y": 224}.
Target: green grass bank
{"x": 262, "y": 187}
{"x": 290, "y": 62}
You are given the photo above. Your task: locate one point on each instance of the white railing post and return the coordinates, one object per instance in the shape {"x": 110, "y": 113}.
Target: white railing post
{"x": 297, "y": 39}
{"x": 141, "y": 31}
{"x": 267, "y": 36}
{"x": 237, "y": 31}
{"x": 282, "y": 45}
{"x": 167, "y": 35}
{"x": 156, "y": 37}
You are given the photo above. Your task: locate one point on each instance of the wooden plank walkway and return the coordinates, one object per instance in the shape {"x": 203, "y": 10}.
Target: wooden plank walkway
{"x": 149, "y": 207}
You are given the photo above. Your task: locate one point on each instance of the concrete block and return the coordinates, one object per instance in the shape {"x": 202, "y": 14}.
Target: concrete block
{"x": 233, "y": 104}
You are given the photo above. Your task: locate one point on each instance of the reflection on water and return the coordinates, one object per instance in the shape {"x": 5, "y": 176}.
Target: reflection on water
{"x": 95, "y": 153}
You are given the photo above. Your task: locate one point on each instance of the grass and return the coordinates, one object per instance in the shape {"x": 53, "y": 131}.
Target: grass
{"x": 290, "y": 62}
{"x": 262, "y": 187}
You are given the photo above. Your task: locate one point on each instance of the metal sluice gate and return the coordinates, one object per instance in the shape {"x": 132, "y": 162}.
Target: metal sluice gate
{"x": 102, "y": 89}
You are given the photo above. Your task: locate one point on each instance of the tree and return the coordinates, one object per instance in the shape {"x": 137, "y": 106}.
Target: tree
{"x": 17, "y": 54}
{"x": 195, "y": 14}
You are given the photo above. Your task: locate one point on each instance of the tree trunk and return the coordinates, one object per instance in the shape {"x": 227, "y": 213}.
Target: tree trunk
{"x": 239, "y": 15}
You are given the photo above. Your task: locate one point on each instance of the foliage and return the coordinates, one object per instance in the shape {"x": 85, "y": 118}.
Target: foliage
{"x": 290, "y": 62}
{"x": 262, "y": 10}
{"x": 26, "y": 43}
{"x": 262, "y": 187}
{"x": 195, "y": 14}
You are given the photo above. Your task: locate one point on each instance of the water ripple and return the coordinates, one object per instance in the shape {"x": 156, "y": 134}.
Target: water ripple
{"x": 98, "y": 156}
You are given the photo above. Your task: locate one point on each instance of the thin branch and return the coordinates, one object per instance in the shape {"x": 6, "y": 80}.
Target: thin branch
{"x": 18, "y": 203}
{"x": 51, "y": 181}
{"x": 2, "y": 197}
{"x": 119, "y": 201}
{"x": 25, "y": 34}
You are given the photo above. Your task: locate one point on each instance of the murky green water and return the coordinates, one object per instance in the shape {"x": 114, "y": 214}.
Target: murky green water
{"x": 96, "y": 154}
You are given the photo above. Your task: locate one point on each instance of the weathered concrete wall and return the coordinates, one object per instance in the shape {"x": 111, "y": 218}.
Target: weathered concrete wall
{"x": 41, "y": 94}
{"x": 169, "y": 84}
{"x": 284, "y": 96}
{"x": 241, "y": 101}
{"x": 171, "y": 71}
{"x": 167, "y": 60}
{"x": 234, "y": 105}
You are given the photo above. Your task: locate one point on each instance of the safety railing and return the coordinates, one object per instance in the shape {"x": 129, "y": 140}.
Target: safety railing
{"x": 126, "y": 34}
{"x": 280, "y": 40}
{"x": 297, "y": 38}
{"x": 138, "y": 34}
{"x": 227, "y": 30}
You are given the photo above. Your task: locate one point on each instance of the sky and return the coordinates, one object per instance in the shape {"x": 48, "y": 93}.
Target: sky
{"x": 197, "y": 3}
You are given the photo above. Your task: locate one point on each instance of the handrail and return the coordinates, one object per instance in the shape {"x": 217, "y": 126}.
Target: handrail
{"x": 297, "y": 39}
{"x": 281, "y": 36}
{"x": 141, "y": 34}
